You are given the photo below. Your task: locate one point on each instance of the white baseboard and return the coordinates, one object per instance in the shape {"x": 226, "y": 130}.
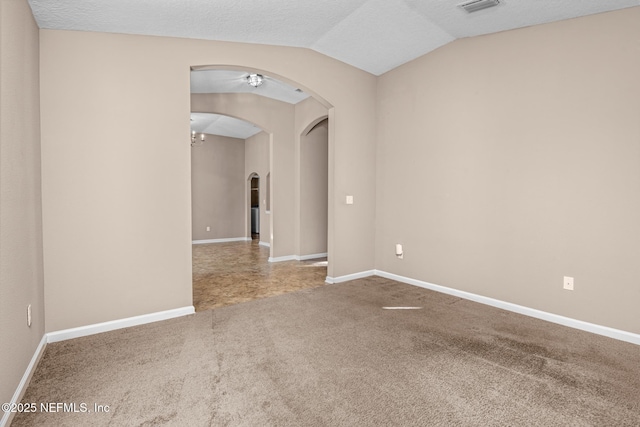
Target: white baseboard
{"x": 22, "y": 386}
{"x": 267, "y": 244}
{"x": 353, "y": 276}
{"x": 531, "y": 312}
{"x": 296, "y": 257}
{"x": 230, "y": 239}
{"x": 282, "y": 258}
{"x": 97, "y": 328}
{"x": 310, "y": 256}
{"x": 527, "y": 311}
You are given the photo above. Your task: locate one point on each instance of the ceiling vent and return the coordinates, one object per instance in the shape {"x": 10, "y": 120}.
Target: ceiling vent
{"x": 476, "y": 5}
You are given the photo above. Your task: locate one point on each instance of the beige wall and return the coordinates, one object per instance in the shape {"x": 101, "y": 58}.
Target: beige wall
{"x": 21, "y": 274}
{"x": 313, "y": 190}
{"x": 523, "y": 147}
{"x": 117, "y": 222}
{"x": 508, "y": 161}
{"x": 218, "y": 188}
{"x": 256, "y": 150}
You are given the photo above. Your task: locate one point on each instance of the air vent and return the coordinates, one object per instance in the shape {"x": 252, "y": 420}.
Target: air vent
{"x": 476, "y": 5}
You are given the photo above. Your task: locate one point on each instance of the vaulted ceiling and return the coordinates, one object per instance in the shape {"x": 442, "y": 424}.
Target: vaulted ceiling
{"x": 373, "y": 35}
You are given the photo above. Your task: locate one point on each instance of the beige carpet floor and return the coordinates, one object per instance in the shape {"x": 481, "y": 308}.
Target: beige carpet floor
{"x": 331, "y": 356}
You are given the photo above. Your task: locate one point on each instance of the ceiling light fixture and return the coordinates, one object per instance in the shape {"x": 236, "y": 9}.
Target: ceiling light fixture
{"x": 194, "y": 139}
{"x": 255, "y": 80}
{"x": 476, "y": 5}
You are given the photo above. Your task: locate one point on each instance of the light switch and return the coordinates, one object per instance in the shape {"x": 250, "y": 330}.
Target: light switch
{"x": 349, "y": 200}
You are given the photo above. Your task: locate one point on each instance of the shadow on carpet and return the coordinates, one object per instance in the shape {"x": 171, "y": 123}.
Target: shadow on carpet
{"x": 331, "y": 356}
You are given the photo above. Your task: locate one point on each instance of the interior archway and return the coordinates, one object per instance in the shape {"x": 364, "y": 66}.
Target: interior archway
{"x": 314, "y": 151}
{"x": 285, "y": 121}
{"x": 279, "y": 119}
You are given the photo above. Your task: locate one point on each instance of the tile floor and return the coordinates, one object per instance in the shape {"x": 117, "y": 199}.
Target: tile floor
{"x": 235, "y": 272}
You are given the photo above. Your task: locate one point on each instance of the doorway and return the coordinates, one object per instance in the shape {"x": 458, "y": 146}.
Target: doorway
{"x": 314, "y": 190}
{"x": 254, "y": 206}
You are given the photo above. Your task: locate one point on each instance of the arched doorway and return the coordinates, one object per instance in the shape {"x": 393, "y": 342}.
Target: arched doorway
{"x": 278, "y": 112}
{"x": 314, "y": 198}
{"x": 253, "y": 206}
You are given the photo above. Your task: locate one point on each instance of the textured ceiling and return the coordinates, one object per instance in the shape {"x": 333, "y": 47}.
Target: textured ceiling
{"x": 227, "y": 81}
{"x": 374, "y": 35}
{"x": 216, "y": 124}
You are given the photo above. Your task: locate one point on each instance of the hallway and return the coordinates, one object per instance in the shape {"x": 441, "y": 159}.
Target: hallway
{"x": 231, "y": 273}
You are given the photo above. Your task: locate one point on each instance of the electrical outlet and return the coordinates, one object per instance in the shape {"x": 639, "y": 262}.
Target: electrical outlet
{"x": 29, "y": 315}
{"x": 568, "y": 283}
{"x": 208, "y": 228}
{"x": 399, "y": 251}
